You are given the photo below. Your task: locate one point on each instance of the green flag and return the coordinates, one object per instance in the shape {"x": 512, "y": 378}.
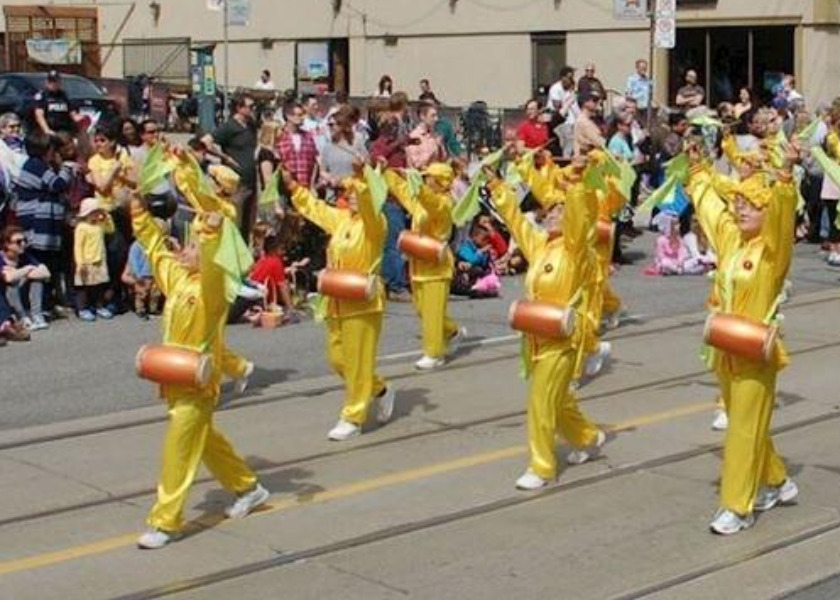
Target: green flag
{"x": 415, "y": 182}
{"x": 155, "y": 169}
{"x": 706, "y": 121}
{"x": 830, "y": 167}
{"x": 377, "y": 185}
{"x": 678, "y": 167}
{"x": 233, "y": 257}
{"x": 594, "y": 178}
{"x": 469, "y": 205}
{"x": 660, "y": 194}
{"x": 624, "y": 173}
{"x": 806, "y": 134}
{"x": 493, "y": 159}
{"x": 271, "y": 194}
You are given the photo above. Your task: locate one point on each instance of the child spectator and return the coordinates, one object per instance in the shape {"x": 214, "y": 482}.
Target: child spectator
{"x": 139, "y": 277}
{"x": 91, "y": 259}
{"x": 261, "y": 230}
{"x": 475, "y": 276}
{"x": 670, "y": 252}
{"x": 270, "y": 271}
{"x": 701, "y": 256}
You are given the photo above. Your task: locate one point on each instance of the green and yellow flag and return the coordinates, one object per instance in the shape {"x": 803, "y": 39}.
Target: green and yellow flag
{"x": 155, "y": 169}
{"x": 234, "y": 257}
{"x": 377, "y": 185}
{"x": 469, "y": 205}
{"x": 271, "y": 194}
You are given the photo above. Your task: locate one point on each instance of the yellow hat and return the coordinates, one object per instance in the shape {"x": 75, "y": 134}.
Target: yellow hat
{"x": 443, "y": 173}
{"x": 754, "y": 192}
{"x": 226, "y": 177}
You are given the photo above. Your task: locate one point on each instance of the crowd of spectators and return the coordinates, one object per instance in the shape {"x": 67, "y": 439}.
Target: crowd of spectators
{"x": 66, "y": 245}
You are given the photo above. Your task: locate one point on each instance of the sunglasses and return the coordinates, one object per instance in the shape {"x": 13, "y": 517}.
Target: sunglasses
{"x": 18, "y": 242}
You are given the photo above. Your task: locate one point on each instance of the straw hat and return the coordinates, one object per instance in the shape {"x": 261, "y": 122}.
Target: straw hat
{"x": 88, "y": 206}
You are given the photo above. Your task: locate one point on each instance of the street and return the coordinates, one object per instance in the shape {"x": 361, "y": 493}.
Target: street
{"x": 424, "y": 507}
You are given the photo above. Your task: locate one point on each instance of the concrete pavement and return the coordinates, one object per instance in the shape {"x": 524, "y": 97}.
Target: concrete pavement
{"x": 425, "y": 507}
{"x": 78, "y": 370}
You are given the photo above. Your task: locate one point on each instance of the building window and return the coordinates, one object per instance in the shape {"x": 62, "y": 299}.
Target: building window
{"x": 322, "y": 66}
{"x": 548, "y": 55}
{"x": 729, "y": 58}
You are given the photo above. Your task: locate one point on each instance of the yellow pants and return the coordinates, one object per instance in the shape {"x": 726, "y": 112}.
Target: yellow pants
{"x": 552, "y": 408}
{"x": 233, "y": 365}
{"x": 190, "y": 439}
{"x": 749, "y": 458}
{"x": 352, "y": 344}
{"x": 430, "y": 300}
{"x": 611, "y": 302}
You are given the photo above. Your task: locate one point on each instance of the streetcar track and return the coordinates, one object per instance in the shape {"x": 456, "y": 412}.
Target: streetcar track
{"x": 389, "y": 533}
{"x": 441, "y": 430}
{"x": 688, "y": 321}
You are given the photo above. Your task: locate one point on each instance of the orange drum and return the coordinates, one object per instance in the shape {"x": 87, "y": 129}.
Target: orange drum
{"x": 347, "y": 285}
{"x": 741, "y": 337}
{"x": 542, "y": 318}
{"x": 421, "y": 247}
{"x": 168, "y": 365}
{"x": 603, "y": 231}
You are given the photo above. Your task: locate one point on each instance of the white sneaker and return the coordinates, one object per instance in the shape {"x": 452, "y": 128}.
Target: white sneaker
{"x": 530, "y": 481}
{"x": 252, "y": 291}
{"x": 613, "y": 320}
{"x": 595, "y": 362}
{"x": 38, "y": 323}
{"x": 154, "y": 539}
{"x": 385, "y": 405}
{"x": 27, "y": 324}
{"x": 727, "y": 522}
{"x": 427, "y": 363}
{"x": 247, "y": 503}
{"x": 344, "y": 430}
{"x": 241, "y": 384}
{"x": 456, "y": 340}
{"x": 772, "y": 496}
{"x": 721, "y": 420}
{"x": 578, "y": 457}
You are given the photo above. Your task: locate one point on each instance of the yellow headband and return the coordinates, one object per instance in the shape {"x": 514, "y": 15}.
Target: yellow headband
{"x": 754, "y": 192}
{"x": 441, "y": 172}
{"x": 226, "y": 177}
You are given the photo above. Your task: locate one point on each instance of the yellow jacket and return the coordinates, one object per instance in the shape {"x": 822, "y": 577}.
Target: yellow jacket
{"x": 558, "y": 267}
{"x": 832, "y": 141}
{"x": 357, "y": 241}
{"x": 89, "y": 241}
{"x": 751, "y": 273}
{"x": 431, "y": 215}
{"x": 546, "y": 182}
{"x": 195, "y": 302}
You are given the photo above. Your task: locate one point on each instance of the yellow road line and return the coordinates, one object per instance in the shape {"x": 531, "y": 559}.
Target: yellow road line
{"x": 345, "y": 491}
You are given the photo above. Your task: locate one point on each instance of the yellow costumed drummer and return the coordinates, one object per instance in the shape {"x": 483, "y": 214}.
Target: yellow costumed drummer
{"x": 196, "y": 306}
{"x": 754, "y": 242}
{"x": 195, "y": 189}
{"x": 357, "y": 240}
{"x": 431, "y": 279}
{"x": 557, "y": 271}
{"x": 546, "y": 181}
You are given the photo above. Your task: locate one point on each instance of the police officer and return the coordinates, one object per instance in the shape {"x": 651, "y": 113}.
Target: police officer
{"x": 53, "y": 110}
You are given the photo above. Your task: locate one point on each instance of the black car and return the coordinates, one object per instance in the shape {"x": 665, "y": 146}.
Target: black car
{"x": 17, "y": 93}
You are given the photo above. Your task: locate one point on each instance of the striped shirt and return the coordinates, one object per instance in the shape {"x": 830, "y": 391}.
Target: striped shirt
{"x": 42, "y": 203}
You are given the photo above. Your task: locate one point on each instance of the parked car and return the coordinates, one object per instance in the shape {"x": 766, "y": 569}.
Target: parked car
{"x": 17, "y": 92}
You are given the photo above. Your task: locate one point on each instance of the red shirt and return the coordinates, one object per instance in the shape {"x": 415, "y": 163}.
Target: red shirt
{"x": 498, "y": 244}
{"x": 271, "y": 272}
{"x": 533, "y": 134}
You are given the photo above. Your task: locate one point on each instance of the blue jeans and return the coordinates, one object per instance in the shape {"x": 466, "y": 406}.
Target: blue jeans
{"x": 393, "y": 264}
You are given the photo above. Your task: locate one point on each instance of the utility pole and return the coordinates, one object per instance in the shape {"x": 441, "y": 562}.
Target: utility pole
{"x": 226, "y": 76}
{"x": 652, "y": 9}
